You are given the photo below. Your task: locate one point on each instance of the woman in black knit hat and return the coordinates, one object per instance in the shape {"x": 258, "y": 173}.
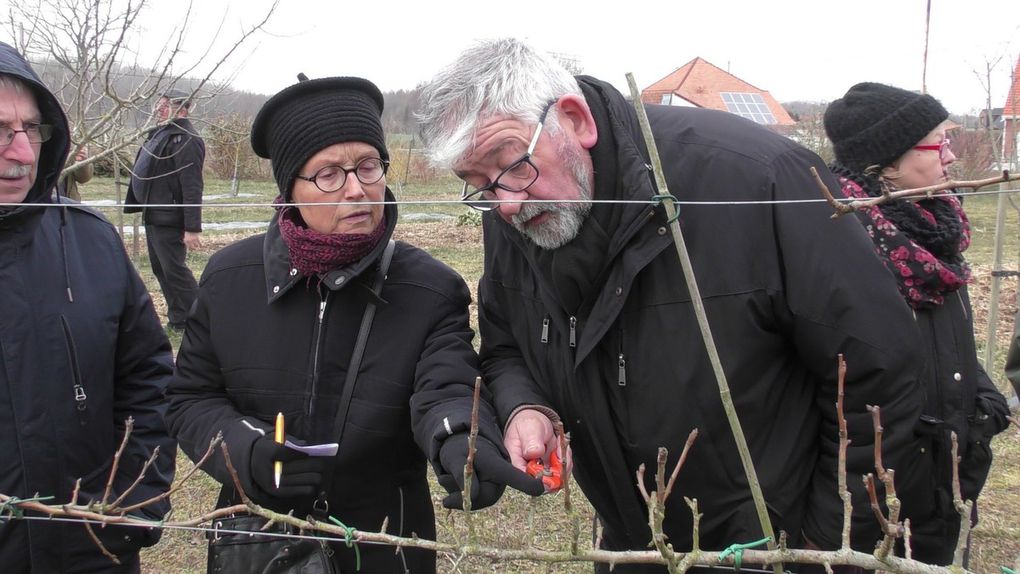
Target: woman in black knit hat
{"x": 889, "y": 138}
{"x": 276, "y": 329}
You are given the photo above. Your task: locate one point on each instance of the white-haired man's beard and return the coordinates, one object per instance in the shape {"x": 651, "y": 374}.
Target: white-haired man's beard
{"x": 563, "y": 220}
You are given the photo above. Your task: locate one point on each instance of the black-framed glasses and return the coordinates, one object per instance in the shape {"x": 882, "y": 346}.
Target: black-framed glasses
{"x": 36, "y": 133}
{"x": 941, "y": 147}
{"x": 332, "y": 177}
{"x": 516, "y": 177}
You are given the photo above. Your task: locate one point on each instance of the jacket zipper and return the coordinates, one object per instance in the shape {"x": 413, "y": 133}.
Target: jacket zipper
{"x": 936, "y": 370}
{"x": 315, "y": 356}
{"x": 79, "y": 389}
{"x": 622, "y": 364}
{"x": 400, "y": 530}
{"x": 545, "y": 331}
{"x": 573, "y": 332}
{"x": 962, "y": 306}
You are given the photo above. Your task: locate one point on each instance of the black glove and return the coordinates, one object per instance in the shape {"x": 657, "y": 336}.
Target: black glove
{"x": 301, "y": 473}
{"x": 492, "y": 474}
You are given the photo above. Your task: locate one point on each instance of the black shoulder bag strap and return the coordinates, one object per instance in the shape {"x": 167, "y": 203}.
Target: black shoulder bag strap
{"x": 352, "y": 370}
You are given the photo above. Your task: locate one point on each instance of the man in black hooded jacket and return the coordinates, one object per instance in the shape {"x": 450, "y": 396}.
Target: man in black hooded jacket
{"x": 585, "y": 315}
{"x": 81, "y": 350}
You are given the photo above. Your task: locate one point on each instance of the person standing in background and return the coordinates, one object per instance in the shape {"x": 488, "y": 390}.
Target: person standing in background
{"x": 68, "y": 186}
{"x": 168, "y": 173}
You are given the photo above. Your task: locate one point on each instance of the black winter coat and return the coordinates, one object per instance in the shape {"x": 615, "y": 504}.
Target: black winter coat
{"x": 81, "y": 350}
{"x": 786, "y": 289}
{"x": 262, "y": 338}
{"x": 173, "y": 177}
{"x": 960, "y": 398}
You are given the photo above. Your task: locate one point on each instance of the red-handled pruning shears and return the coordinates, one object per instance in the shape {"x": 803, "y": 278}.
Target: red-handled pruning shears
{"x": 552, "y": 475}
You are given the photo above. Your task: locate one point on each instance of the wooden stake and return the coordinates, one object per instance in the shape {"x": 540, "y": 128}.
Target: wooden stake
{"x": 706, "y": 331}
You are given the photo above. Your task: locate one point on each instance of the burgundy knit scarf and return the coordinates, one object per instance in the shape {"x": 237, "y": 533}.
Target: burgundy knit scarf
{"x": 925, "y": 269}
{"x": 313, "y": 253}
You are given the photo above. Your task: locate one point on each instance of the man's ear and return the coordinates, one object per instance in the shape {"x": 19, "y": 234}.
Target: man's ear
{"x": 575, "y": 117}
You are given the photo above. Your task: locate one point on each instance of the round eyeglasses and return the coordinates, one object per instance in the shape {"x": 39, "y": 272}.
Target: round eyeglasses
{"x": 36, "y": 133}
{"x": 941, "y": 147}
{"x": 333, "y": 177}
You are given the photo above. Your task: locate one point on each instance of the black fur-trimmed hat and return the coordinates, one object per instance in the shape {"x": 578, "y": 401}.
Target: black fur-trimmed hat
{"x": 311, "y": 115}
{"x": 875, "y": 124}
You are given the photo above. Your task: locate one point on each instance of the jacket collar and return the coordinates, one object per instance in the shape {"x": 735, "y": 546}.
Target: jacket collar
{"x": 281, "y": 275}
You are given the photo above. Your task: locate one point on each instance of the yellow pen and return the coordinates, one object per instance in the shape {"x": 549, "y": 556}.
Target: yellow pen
{"x": 278, "y": 465}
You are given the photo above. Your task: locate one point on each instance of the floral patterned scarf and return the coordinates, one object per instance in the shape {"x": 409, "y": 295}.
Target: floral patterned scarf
{"x": 921, "y": 242}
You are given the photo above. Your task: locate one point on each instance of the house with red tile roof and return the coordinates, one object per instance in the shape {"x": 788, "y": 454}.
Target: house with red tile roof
{"x": 1011, "y": 118}
{"x": 701, "y": 84}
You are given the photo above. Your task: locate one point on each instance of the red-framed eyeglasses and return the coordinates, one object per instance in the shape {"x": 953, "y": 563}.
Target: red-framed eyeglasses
{"x": 942, "y": 148}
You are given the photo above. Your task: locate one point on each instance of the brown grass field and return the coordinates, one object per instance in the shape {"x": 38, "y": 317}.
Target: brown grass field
{"x": 516, "y": 522}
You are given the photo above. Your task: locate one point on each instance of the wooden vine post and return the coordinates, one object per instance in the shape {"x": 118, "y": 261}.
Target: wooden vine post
{"x": 706, "y": 331}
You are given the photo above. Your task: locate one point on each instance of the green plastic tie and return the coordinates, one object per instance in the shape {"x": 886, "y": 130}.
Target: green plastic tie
{"x": 1008, "y": 570}
{"x": 737, "y": 550}
{"x": 12, "y": 509}
{"x": 349, "y": 535}
{"x": 663, "y": 197}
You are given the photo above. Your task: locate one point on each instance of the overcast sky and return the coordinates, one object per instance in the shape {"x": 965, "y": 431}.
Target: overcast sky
{"x": 798, "y": 50}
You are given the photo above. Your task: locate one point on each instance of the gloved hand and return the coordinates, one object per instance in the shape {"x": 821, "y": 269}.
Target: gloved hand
{"x": 492, "y": 474}
{"x": 302, "y": 474}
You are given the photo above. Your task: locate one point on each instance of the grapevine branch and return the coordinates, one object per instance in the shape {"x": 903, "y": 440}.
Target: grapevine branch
{"x": 663, "y": 554}
{"x": 842, "y": 208}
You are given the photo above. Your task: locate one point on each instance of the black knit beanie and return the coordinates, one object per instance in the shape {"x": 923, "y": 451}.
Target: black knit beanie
{"x": 312, "y": 115}
{"x": 875, "y": 124}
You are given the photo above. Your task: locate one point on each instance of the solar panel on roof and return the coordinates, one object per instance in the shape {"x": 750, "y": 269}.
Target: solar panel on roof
{"x": 748, "y": 105}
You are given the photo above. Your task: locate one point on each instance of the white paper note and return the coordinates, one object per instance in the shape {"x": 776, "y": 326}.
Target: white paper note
{"x": 328, "y": 449}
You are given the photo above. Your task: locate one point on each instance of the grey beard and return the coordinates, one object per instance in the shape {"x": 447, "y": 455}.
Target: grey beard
{"x": 565, "y": 219}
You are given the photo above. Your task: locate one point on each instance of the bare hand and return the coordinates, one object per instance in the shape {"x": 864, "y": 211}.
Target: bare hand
{"x": 530, "y": 436}
{"x": 82, "y": 155}
{"x": 193, "y": 240}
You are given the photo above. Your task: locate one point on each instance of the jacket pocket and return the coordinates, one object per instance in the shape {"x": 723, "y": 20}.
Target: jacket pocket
{"x": 977, "y": 461}
{"x": 929, "y": 494}
{"x": 76, "y": 388}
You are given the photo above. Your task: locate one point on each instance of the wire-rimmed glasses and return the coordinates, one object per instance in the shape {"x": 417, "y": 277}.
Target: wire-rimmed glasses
{"x": 516, "y": 177}
{"x": 36, "y": 133}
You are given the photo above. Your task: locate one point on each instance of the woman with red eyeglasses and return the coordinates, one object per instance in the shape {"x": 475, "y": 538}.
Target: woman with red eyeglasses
{"x": 887, "y": 138}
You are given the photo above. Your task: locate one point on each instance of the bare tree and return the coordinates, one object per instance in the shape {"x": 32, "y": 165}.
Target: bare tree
{"x": 229, "y": 155}
{"x": 975, "y": 154}
{"x": 810, "y": 133}
{"x": 88, "y": 54}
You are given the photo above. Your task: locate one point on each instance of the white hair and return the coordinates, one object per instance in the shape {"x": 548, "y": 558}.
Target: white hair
{"x": 14, "y": 83}
{"x": 504, "y": 77}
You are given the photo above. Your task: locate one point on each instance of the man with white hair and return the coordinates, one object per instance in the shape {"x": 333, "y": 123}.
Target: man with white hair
{"x": 81, "y": 351}
{"x": 586, "y": 318}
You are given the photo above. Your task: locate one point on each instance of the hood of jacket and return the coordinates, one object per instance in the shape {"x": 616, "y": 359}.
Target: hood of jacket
{"x": 53, "y": 153}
